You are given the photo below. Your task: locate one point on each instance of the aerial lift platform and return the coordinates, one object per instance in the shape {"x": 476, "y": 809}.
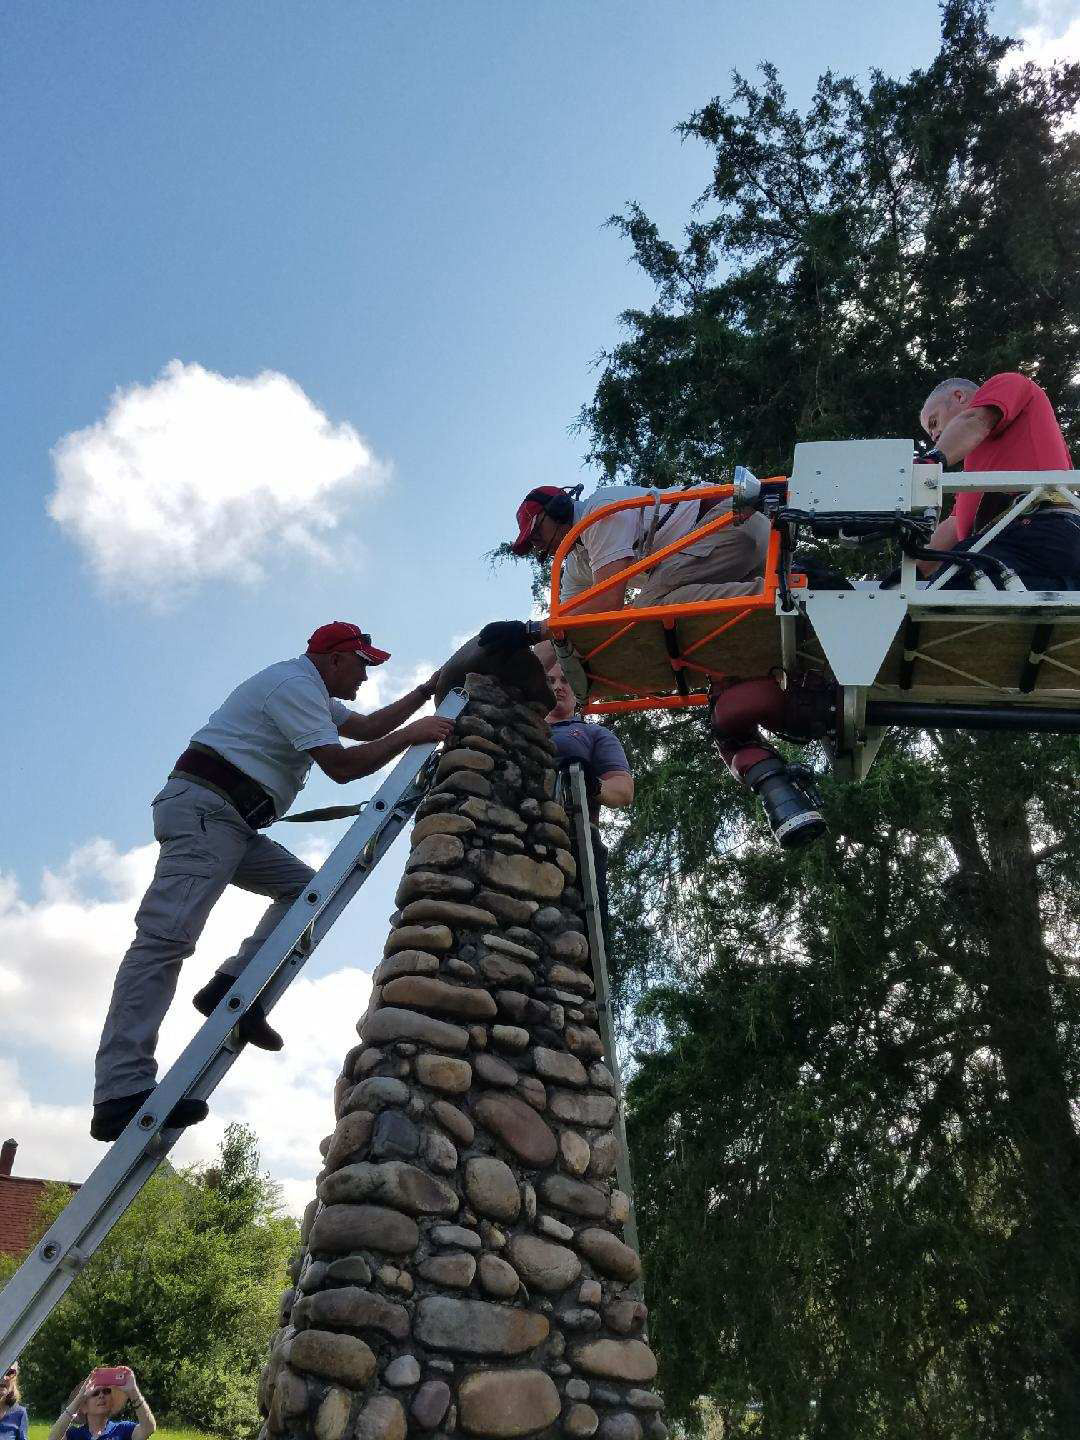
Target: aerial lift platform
{"x": 996, "y": 656}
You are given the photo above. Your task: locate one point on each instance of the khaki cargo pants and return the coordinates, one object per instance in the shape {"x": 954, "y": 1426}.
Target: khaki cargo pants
{"x": 205, "y": 846}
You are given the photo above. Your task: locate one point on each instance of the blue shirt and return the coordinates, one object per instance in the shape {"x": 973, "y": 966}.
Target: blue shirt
{"x": 576, "y": 740}
{"x": 595, "y": 745}
{"x": 14, "y": 1422}
{"x": 114, "y": 1429}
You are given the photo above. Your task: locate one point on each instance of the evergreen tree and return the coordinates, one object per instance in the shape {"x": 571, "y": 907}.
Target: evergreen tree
{"x": 857, "y": 1168}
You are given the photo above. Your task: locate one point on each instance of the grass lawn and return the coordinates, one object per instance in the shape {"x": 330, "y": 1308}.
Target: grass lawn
{"x": 40, "y": 1429}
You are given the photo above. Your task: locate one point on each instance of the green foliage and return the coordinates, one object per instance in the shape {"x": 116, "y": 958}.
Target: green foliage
{"x": 842, "y": 261}
{"x": 185, "y": 1290}
{"x": 851, "y": 1120}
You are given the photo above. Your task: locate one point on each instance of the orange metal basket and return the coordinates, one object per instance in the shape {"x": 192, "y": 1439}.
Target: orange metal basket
{"x": 660, "y": 657}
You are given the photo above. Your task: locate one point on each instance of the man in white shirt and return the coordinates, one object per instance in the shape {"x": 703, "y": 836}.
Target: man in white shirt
{"x": 241, "y": 771}
{"x": 729, "y": 561}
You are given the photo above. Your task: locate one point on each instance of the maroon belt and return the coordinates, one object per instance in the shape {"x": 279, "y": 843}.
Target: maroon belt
{"x": 199, "y": 762}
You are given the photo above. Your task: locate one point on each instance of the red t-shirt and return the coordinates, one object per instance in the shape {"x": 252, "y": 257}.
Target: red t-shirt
{"x": 1027, "y": 437}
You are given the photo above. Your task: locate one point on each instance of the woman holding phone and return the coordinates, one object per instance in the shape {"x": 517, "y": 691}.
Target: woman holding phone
{"x": 14, "y": 1424}
{"x": 91, "y": 1411}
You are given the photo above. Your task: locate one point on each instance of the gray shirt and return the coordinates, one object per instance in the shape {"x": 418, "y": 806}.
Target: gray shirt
{"x": 269, "y": 723}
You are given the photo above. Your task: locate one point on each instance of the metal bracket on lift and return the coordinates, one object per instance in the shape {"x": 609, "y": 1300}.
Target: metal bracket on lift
{"x": 42, "y": 1279}
{"x": 857, "y": 743}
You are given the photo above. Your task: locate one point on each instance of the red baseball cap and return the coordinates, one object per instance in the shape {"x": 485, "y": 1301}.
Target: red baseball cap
{"x": 342, "y": 635}
{"x": 529, "y": 513}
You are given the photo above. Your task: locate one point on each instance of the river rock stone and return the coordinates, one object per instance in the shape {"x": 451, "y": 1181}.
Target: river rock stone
{"x": 501, "y": 970}
{"x": 644, "y": 1400}
{"x": 510, "y": 1037}
{"x": 425, "y": 993}
{"x": 403, "y": 1371}
{"x": 456, "y": 1271}
{"x": 453, "y": 1120}
{"x": 605, "y": 1156}
{"x": 339, "y": 1229}
{"x": 620, "y": 1426}
{"x": 533, "y": 879}
{"x": 574, "y": 1152}
{"x": 395, "y": 1137}
{"x": 444, "y": 1073}
{"x": 465, "y": 782}
{"x": 406, "y": 1187}
{"x": 344, "y": 1359}
{"x": 382, "y": 1418}
{"x": 509, "y": 947}
{"x": 351, "y": 1134}
{"x": 439, "y": 1152}
{"x": 542, "y": 1265}
{"x": 496, "y": 815}
{"x": 376, "y": 1093}
{"x": 333, "y": 1415}
{"x": 590, "y": 1108}
{"x": 608, "y": 1254}
{"x": 570, "y": 979}
{"x": 505, "y": 1403}
{"x": 494, "y": 1071}
{"x": 430, "y": 884}
{"x": 419, "y": 937}
{"x": 509, "y": 910}
{"x": 405, "y": 962}
{"x": 350, "y": 1269}
{"x": 519, "y": 1127}
{"x": 580, "y": 1420}
{"x": 629, "y": 1360}
{"x": 447, "y": 912}
{"x": 442, "y": 825}
{"x": 348, "y": 1306}
{"x": 438, "y": 851}
{"x": 456, "y": 1235}
{"x": 430, "y": 1404}
{"x": 390, "y": 1023}
{"x": 497, "y": 1277}
{"x": 477, "y": 1327}
{"x": 570, "y": 946}
{"x": 574, "y": 1195}
{"x": 491, "y": 1188}
{"x": 558, "y": 1065}
{"x": 464, "y": 759}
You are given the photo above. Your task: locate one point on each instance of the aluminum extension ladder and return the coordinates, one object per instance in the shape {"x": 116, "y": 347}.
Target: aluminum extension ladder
{"x": 576, "y": 802}
{"x": 41, "y": 1281}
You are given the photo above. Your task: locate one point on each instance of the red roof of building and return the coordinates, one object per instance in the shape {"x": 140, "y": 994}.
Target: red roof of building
{"x": 19, "y": 1200}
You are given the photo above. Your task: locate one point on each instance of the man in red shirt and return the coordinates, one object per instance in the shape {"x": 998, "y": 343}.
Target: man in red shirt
{"x": 1007, "y": 423}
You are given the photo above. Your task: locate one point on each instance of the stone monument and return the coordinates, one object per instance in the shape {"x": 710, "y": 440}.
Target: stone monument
{"x": 462, "y": 1269}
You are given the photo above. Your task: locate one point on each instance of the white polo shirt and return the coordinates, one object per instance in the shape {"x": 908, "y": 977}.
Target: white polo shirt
{"x": 620, "y": 536}
{"x": 269, "y": 723}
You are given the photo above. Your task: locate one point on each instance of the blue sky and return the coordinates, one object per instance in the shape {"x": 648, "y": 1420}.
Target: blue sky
{"x": 399, "y": 207}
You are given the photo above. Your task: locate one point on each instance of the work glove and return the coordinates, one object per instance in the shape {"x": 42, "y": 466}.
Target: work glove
{"x": 509, "y": 635}
{"x": 592, "y": 779}
{"x": 932, "y": 457}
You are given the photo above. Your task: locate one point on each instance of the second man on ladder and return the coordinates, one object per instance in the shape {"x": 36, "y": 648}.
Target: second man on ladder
{"x": 240, "y": 773}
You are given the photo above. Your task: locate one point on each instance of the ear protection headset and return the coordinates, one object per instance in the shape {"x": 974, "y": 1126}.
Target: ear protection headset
{"x": 560, "y": 506}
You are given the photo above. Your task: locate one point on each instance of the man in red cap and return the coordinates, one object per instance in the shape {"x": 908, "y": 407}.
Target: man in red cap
{"x": 727, "y": 562}
{"x": 240, "y": 772}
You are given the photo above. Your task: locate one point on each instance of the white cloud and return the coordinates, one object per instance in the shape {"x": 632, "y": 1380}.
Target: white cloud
{"x": 1051, "y": 36}
{"x": 58, "y": 956}
{"x": 200, "y": 476}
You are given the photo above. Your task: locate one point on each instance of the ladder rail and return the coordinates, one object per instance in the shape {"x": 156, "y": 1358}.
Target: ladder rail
{"x": 47, "y": 1272}
{"x": 579, "y": 806}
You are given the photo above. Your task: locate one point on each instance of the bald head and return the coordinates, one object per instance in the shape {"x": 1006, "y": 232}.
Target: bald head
{"x": 945, "y": 400}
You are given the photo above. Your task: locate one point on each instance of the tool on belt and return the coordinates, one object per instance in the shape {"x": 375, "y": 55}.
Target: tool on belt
{"x": 253, "y": 804}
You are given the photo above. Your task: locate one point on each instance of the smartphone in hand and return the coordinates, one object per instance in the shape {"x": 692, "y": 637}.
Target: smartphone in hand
{"x": 110, "y": 1377}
